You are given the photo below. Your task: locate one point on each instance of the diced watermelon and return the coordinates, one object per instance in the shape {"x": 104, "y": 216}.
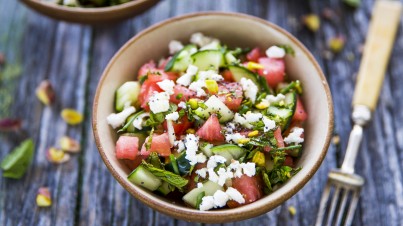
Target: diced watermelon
{"x": 146, "y": 91}
{"x": 300, "y": 113}
{"x": 227, "y": 75}
{"x": 159, "y": 143}
{"x": 274, "y": 70}
{"x": 181, "y": 126}
{"x": 230, "y": 94}
{"x": 251, "y": 189}
{"x": 211, "y": 130}
{"x": 254, "y": 54}
{"x": 164, "y": 62}
{"x": 127, "y": 147}
{"x": 289, "y": 161}
{"x": 182, "y": 93}
{"x": 279, "y": 137}
{"x": 146, "y": 68}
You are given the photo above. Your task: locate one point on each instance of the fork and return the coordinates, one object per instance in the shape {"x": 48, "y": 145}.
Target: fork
{"x": 341, "y": 194}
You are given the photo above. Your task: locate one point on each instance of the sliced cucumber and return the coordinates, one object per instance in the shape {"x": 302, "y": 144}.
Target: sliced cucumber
{"x": 282, "y": 116}
{"x": 230, "y": 58}
{"x": 215, "y": 105}
{"x": 206, "y": 148}
{"x": 239, "y": 72}
{"x": 165, "y": 188}
{"x": 209, "y": 188}
{"x": 208, "y": 60}
{"x": 142, "y": 177}
{"x": 181, "y": 60}
{"x": 127, "y": 94}
{"x": 214, "y": 45}
{"x": 182, "y": 163}
{"x": 229, "y": 151}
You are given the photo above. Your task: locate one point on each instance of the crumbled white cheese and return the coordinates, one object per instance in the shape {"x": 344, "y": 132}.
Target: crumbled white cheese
{"x": 249, "y": 168}
{"x": 199, "y": 185}
{"x": 275, "y": 52}
{"x": 212, "y": 176}
{"x": 246, "y": 119}
{"x": 210, "y": 74}
{"x": 191, "y": 143}
{"x": 202, "y": 172}
{"x": 116, "y": 120}
{"x": 207, "y": 203}
{"x": 220, "y": 198}
{"x": 167, "y": 85}
{"x": 198, "y": 88}
{"x": 295, "y": 136}
{"x": 171, "y": 132}
{"x": 159, "y": 102}
{"x": 249, "y": 89}
{"x": 174, "y": 46}
{"x": 182, "y": 105}
{"x": 229, "y": 127}
{"x": 200, "y": 40}
{"x": 180, "y": 145}
{"x": 269, "y": 99}
{"x": 138, "y": 122}
{"x": 252, "y": 117}
{"x": 213, "y": 160}
{"x": 238, "y": 118}
{"x": 235, "y": 195}
{"x": 224, "y": 175}
{"x": 236, "y": 166}
{"x": 172, "y": 116}
{"x": 268, "y": 124}
{"x": 187, "y": 78}
{"x": 235, "y": 137}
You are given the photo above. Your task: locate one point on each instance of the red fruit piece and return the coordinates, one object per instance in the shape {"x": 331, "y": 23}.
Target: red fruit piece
{"x": 159, "y": 143}
{"x": 274, "y": 70}
{"x": 181, "y": 93}
{"x": 181, "y": 126}
{"x": 254, "y": 55}
{"x": 251, "y": 189}
{"x": 211, "y": 130}
{"x": 230, "y": 94}
{"x": 300, "y": 114}
{"x": 127, "y": 147}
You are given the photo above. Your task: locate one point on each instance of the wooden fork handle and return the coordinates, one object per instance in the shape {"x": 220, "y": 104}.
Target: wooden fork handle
{"x": 377, "y": 50}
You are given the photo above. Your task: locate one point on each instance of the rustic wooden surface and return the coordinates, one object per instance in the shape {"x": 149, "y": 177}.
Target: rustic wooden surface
{"x": 73, "y": 57}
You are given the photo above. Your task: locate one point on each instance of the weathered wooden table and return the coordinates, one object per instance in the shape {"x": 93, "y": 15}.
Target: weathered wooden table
{"x": 73, "y": 57}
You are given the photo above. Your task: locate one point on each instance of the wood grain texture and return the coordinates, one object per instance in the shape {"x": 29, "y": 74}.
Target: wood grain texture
{"x": 73, "y": 57}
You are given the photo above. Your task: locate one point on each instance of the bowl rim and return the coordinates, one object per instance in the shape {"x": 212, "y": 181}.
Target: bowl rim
{"x": 215, "y": 216}
{"x": 86, "y": 10}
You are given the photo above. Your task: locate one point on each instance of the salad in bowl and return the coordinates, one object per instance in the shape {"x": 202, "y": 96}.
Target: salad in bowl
{"x": 212, "y": 126}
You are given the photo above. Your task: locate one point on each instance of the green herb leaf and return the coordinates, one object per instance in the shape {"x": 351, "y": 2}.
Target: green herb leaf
{"x": 154, "y": 160}
{"x": 267, "y": 182}
{"x": 199, "y": 199}
{"x": 15, "y": 164}
{"x": 174, "y": 164}
{"x": 167, "y": 176}
{"x": 143, "y": 79}
{"x": 288, "y": 49}
{"x": 179, "y": 96}
{"x": 130, "y": 121}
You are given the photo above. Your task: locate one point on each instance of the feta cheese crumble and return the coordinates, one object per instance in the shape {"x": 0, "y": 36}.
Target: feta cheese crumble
{"x": 249, "y": 89}
{"x": 180, "y": 145}
{"x": 192, "y": 143}
{"x": 220, "y": 198}
{"x": 174, "y": 46}
{"x": 186, "y": 78}
{"x": 275, "y": 52}
{"x": 210, "y": 74}
{"x": 207, "y": 203}
{"x": 199, "y": 185}
{"x": 295, "y": 136}
{"x": 214, "y": 160}
{"x": 247, "y": 119}
{"x": 182, "y": 105}
{"x": 235, "y": 195}
{"x": 202, "y": 172}
{"x": 117, "y": 119}
{"x": 159, "y": 102}
{"x": 172, "y": 116}
{"x": 249, "y": 169}
{"x": 200, "y": 39}
{"x": 138, "y": 122}
{"x": 269, "y": 99}
{"x": 167, "y": 85}
{"x": 198, "y": 88}
{"x": 268, "y": 124}
{"x": 234, "y": 137}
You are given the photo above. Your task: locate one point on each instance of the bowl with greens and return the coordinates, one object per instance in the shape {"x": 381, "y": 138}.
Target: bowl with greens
{"x": 90, "y": 11}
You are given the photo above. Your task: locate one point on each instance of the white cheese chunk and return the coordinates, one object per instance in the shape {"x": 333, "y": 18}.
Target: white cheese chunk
{"x": 172, "y": 116}
{"x": 187, "y": 78}
{"x": 235, "y": 195}
{"x": 268, "y": 124}
{"x": 200, "y": 39}
{"x": 214, "y": 160}
{"x": 159, "y": 102}
{"x": 199, "y": 185}
{"x": 171, "y": 132}
{"x": 236, "y": 166}
{"x": 202, "y": 172}
{"x": 182, "y": 105}
{"x": 275, "y": 52}
{"x": 138, "y": 122}
{"x": 220, "y": 198}
{"x": 198, "y": 88}
{"x": 116, "y": 120}
{"x": 180, "y": 145}
{"x": 174, "y": 46}
{"x": 207, "y": 203}
{"x": 249, "y": 89}
{"x": 295, "y": 136}
{"x": 210, "y": 74}
{"x": 234, "y": 137}
{"x": 249, "y": 168}
{"x": 167, "y": 85}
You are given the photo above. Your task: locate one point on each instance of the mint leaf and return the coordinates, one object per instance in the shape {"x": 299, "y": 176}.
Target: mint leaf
{"x": 167, "y": 176}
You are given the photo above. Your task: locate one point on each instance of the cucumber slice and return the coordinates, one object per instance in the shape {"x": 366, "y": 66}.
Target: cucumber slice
{"x": 229, "y": 151}
{"x": 282, "y": 116}
{"x": 127, "y": 94}
{"x": 142, "y": 177}
{"x": 181, "y": 60}
{"x": 165, "y": 188}
{"x": 215, "y": 45}
{"x": 230, "y": 58}
{"x": 209, "y": 188}
{"x": 206, "y": 148}
{"x": 239, "y": 72}
{"x": 215, "y": 105}
{"x": 208, "y": 60}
